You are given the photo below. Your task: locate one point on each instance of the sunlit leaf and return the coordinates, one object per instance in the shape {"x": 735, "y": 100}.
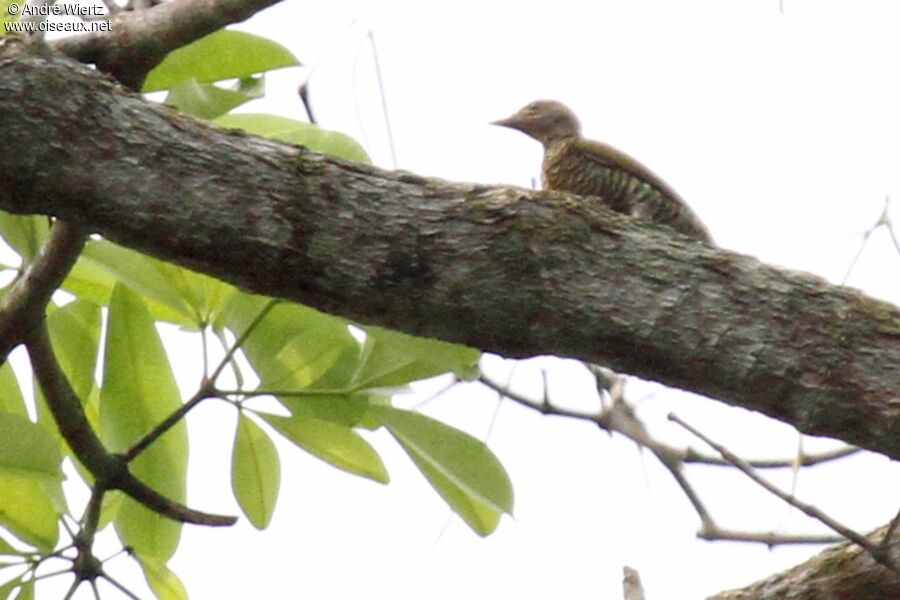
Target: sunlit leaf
{"x": 27, "y": 449}
{"x": 255, "y": 472}
{"x": 102, "y": 265}
{"x": 26, "y": 592}
{"x": 221, "y": 55}
{"x": 392, "y": 358}
{"x": 207, "y": 100}
{"x": 11, "y": 399}
{"x": 333, "y": 443}
{"x": 347, "y": 410}
{"x": 296, "y": 132}
{"x": 170, "y": 292}
{"x": 138, "y": 392}
{"x": 24, "y": 233}
{"x": 461, "y": 468}
{"x": 5, "y": 17}
{"x": 9, "y": 587}
{"x": 75, "y": 333}
{"x": 6, "y": 548}
{"x": 293, "y": 346}
{"x": 27, "y": 511}
{"x": 164, "y": 583}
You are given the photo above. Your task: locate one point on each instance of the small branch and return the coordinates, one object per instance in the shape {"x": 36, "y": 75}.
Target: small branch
{"x": 714, "y": 533}
{"x": 891, "y": 529}
{"x": 242, "y": 338}
{"x": 24, "y": 305}
{"x": 617, "y": 416}
{"x": 138, "y": 40}
{"x": 120, "y": 587}
{"x": 688, "y": 455}
{"x": 163, "y": 426}
{"x": 804, "y": 460}
{"x": 207, "y": 390}
{"x": 808, "y": 509}
{"x": 481, "y": 250}
{"x": 109, "y": 470}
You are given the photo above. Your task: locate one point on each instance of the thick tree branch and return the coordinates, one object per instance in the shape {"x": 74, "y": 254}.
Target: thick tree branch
{"x": 506, "y": 270}
{"x": 138, "y": 40}
{"x": 845, "y": 571}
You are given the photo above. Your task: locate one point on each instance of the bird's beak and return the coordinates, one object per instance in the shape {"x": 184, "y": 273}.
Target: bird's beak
{"x": 511, "y": 122}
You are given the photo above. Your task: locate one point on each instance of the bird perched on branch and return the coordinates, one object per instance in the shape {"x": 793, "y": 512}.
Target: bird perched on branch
{"x": 588, "y": 168}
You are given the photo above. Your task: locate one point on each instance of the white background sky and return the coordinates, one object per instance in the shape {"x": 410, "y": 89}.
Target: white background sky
{"x": 782, "y": 132}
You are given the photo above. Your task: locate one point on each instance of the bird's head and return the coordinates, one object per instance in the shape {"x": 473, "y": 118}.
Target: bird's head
{"x": 544, "y": 120}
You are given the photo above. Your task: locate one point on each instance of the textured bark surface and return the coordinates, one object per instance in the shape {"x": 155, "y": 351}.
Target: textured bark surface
{"x": 843, "y": 572}
{"x": 506, "y": 270}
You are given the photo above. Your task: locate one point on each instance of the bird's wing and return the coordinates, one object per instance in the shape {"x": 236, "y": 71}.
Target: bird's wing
{"x": 607, "y": 156}
{"x": 668, "y": 208}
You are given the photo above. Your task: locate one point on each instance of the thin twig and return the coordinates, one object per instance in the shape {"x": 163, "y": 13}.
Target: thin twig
{"x": 619, "y": 417}
{"x": 207, "y": 390}
{"x": 120, "y": 587}
{"x": 895, "y": 522}
{"x": 110, "y": 469}
{"x": 807, "y": 509}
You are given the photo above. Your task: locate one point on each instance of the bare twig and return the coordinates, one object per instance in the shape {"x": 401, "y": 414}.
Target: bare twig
{"x": 802, "y": 460}
{"x": 617, "y": 416}
{"x": 807, "y": 509}
{"x": 891, "y": 529}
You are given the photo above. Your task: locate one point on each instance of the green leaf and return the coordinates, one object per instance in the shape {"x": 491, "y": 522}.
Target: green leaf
{"x": 393, "y": 358}
{"x": 102, "y": 265}
{"x": 138, "y": 392}
{"x": 299, "y": 350}
{"x": 6, "y": 548}
{"x": 298, "y": 133}
{"x": 11, "y": 399}
{"x": 164, "y": 583}
{"x": 207, "y": 100}
{"x": 24, "y": 233}
{"x": 461, "y": 468}
{"x": 171, "y": 293}
{"x": 26, "y": 510}
{"x": 5, "y": 17}
{"x": 255, "y": 472}
{"x": 221, "y": 55}
{"x": 27, "y": 449}
{"x": 7, "y": 588}
{"x": 348, "y": 410}
{"x": 75, "y": 333}
{"x": 294, "y": 346}
{"x": 27, "y": 591}
{"x": 333, "y": 443}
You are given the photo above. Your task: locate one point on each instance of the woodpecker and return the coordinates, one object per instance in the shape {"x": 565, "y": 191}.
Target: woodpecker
{"x": 589, "y": 168}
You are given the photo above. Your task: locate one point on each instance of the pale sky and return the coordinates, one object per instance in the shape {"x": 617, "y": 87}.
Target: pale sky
{"x": 781, "y": 131}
